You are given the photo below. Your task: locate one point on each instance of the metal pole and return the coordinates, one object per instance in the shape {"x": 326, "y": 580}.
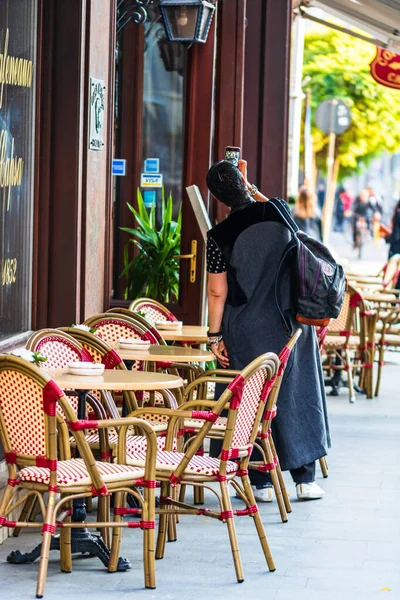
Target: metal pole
{"x": 330, "y": 192}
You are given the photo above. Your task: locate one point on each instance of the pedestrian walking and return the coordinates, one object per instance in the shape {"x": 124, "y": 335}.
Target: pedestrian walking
{"x": 306, "y": 213}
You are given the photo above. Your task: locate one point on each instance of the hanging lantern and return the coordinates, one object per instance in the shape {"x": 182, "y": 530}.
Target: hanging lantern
{"x": 187, "y": 21}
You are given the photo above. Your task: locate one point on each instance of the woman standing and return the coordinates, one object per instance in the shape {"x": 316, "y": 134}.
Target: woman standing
{"x": 243, "y": 255}
{"x": 306, "y": 213}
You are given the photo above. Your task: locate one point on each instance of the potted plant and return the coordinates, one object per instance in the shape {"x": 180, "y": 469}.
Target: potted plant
{"x": 154, "y": 272}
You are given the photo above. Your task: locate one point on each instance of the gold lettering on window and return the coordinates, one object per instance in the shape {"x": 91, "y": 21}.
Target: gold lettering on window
{"x": 11, "y": 167}
{"x": 9, "y": 271}
{"x": 14, "y": 70}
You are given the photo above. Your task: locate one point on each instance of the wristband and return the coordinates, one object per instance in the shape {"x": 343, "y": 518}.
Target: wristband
{"x": 212, "y": 334}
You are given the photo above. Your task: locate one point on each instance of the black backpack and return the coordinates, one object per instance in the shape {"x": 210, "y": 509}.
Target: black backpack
{"x": 320, "y": 281}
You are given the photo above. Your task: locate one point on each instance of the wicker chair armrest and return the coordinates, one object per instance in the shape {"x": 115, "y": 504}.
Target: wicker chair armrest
{"x": 223, "y": 372}
{"x": 206, "y": 379}
{"x": 151, "y": 449}
{"x": 199, "y": 402}
{"x": 167, "y": 412}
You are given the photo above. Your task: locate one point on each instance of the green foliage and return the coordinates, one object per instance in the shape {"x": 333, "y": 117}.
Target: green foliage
{"x": 154, "y": 272}
{"x": 38, "y": 358}
{"x": 338, "y": 65}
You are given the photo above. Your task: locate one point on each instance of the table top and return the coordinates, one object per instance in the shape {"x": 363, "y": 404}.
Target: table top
{"x": 166, "y": 354}
{"x": 188, "y": 333}
{"x": 115, "y": 380}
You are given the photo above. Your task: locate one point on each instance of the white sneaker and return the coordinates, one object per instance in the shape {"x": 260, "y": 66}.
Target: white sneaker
{"x": 309, "y": 491}
{"x": 264, "y": 494}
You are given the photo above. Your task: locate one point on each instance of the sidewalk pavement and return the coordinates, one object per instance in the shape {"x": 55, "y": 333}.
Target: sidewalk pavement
{"x": 344, "y": 547}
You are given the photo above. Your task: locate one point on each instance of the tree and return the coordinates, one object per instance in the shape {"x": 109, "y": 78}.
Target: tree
{"x": 338, "y": 66}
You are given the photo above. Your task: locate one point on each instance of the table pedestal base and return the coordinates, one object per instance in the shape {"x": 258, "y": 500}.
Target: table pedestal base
{"x": 82, "y": 541}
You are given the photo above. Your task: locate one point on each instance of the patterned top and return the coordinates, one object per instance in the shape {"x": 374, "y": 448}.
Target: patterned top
{"x": 215, "y": 260}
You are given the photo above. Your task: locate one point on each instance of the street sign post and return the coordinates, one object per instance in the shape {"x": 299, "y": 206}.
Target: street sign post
{"x": 332, "y": 117}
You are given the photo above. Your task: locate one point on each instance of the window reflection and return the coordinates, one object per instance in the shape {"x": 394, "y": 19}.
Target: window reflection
{"x": 163, "y": 105}
{"x": 17, "y": 137}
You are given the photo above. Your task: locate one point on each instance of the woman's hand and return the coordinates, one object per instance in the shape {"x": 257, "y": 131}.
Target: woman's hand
{"x": 221, "y": 353}
{"x": 258, "y": 196}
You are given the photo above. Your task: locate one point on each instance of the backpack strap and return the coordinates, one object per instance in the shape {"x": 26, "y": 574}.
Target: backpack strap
{"x": 290, "y": 247}
{"x": 283, "y": 210}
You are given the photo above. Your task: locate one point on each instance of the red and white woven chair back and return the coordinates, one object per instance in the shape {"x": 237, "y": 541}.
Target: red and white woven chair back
{"x": 59, "y": 352}
{"x": 254, "y": 392}
{"x": 21, "y": 406}
{"x": 340, "y": 323}
{"x": 152, "y": 311}
{"x": 111, "y": 329}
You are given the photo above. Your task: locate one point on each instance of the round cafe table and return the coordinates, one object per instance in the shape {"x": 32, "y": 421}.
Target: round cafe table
{"x": 115, "y": 380}
{"x": 158, "y": 353}
{"x": 188, "y": 333}
{"x": 82, "y": 541}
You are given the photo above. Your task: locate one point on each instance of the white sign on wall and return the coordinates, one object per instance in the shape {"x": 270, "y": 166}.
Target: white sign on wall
{"x": 96, "y": 114}
{"x": 151, "y": 181}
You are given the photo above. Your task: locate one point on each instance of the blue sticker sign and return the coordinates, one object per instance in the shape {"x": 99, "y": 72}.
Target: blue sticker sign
{"x": 152, "y": 165}
{"x": 119, "y": 166}
{"x": 149, "y": 198}
{"x": 151, "y": 181}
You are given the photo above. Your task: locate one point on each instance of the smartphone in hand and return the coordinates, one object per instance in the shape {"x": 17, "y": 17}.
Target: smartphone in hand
{"x": 232, "y": 154}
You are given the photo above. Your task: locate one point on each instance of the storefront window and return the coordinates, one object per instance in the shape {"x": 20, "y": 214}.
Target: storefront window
{"x": 163, "y": 107}
{"x": 18, "y": 31}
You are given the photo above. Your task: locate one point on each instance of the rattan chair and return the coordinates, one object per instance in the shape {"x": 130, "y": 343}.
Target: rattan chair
{"x": 388, "y": 338}
{"x": 264, "y": 441}
{"x": 29, "y": 431}
{"x": 125, "y": 312}
{"x": 102, "y": 352}
{"x": 386, "y": 279}
{"x": 192, "y": 370}
{"x": 347, "y": 345}
{"x": 60, "y": 348}
{"x": 152, "y": 310}
{"x": 247, "y": 396}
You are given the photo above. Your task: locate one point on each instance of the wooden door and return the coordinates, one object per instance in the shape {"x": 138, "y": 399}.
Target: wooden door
{"x": 164, "y": 107}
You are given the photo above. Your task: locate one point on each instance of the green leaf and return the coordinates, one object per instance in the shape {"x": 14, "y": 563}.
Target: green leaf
{"x": 153, "y": 272}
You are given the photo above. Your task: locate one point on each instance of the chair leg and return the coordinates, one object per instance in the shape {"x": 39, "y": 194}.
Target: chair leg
{"x": 259, "y": 525}
{"x": 25, "y": 514}
{"x": 182, "y": 492}
{"x": 275, "y": 482}
{"x": 8, "y": 492}
{"x": 198, "y": 495}
{"x": 103, "y": 512}
{"x": 172, "y": 520}
{"x": 227, "y": 507}
{"x": 323, "y": 463}
{"x": 285, "y": 495}
{"x": 34, "y": 511}
{"x": 65, "y": 546}
{"x": 148, "y": 514}
{"x": 162, "y": 525}
{"x": 352, "y": 397}
{"x": 46, "y": 541}
{"x": 119, "y": 501}
{"x": 89, "y": 505}
{"x": 380, "y": 365}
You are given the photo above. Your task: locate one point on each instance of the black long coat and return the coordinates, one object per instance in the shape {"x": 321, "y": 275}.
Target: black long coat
{"x": 252, "y": 246}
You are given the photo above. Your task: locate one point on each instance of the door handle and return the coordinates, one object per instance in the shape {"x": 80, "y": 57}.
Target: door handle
{"x": 193, "y": 260}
